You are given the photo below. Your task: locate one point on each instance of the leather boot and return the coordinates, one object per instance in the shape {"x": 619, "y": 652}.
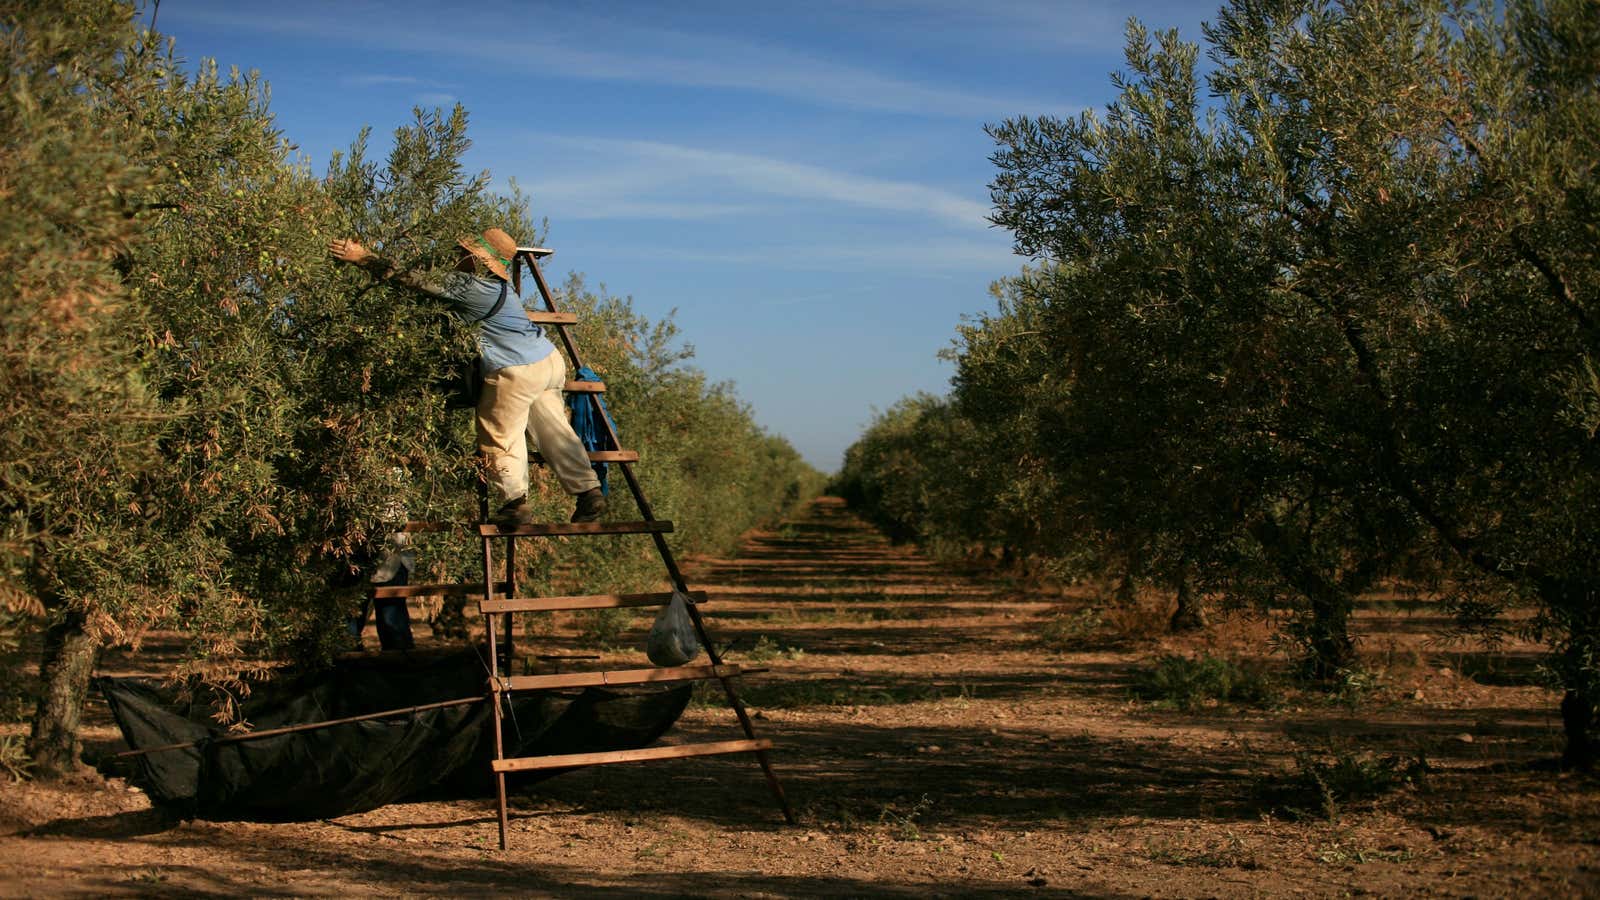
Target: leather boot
{"x": 591, "y": 504}
{"x": 513, "y": 513}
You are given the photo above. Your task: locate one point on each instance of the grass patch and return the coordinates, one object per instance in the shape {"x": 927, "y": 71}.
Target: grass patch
{"x": 767, "y": 650}
{"x": 1072, "y": 632}
{"x": 1324, "y": 784}
{"x": 1192, "y": 682}
{"x": 900, "y": 820}
{"x": 903, "y": 824}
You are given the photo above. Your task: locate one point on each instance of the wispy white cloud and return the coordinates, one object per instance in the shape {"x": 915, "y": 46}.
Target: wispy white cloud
{"x": 643, "y": 174}
{"x": 1077, "y": 24}
{"x": 378, "y": 80}
{"x": 992, "y": 255}
{"x": 653, "y": 56}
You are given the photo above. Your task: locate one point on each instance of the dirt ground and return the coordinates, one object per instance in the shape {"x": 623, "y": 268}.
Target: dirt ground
{"x": 933, "y": 745}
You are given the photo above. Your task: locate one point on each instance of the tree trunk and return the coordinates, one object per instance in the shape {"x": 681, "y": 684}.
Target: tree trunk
{"x": 68, "y": 663}
{"x": 1577, "y": 719}
{"x": 1326, "y": 634}
{"x": 1580, "y": 705}
{"x": 1125, "y": 595}
{"x": 1191, "y": 613}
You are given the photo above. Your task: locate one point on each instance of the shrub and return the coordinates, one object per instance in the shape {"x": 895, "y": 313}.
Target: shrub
{"x": 1071, "y": 632}
{"x": 1334, "y": 780}
{"x": 1189, "y": 683}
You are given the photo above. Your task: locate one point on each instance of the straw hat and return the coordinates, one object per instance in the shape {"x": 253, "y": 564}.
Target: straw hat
{"x": 495, "y": 249}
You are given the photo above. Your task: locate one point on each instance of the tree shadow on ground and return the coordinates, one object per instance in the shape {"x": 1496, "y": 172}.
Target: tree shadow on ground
{"x": 957, "y": 777}
{"x": 1108, "y": 681}
{"x": 1503, "y": 668}
{"x": 130, "y": 824}
{"x": 450, "y": 874}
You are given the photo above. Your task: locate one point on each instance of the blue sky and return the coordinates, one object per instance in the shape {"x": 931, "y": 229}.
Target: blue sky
{"x": 806, "y": 184}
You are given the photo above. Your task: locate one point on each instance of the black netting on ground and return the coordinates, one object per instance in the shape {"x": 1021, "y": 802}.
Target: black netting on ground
{"x": 358, "y": 766}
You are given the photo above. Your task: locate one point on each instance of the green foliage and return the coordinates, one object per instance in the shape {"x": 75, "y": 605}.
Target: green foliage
{"x": 1189, "y": 683}
{"x": 17, "y": 688}
{"x": 73, "y": 199}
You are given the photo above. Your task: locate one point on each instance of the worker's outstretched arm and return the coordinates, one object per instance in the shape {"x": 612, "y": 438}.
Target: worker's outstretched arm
{"x": 352, "y": 252}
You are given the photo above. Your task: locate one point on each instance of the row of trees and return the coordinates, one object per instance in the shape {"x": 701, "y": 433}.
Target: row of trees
{"x": 206, "y": 421}
{"x": 1333, "y": 321}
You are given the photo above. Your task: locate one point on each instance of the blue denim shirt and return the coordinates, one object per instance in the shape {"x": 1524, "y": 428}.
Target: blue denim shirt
{"x": 506, "y": 338}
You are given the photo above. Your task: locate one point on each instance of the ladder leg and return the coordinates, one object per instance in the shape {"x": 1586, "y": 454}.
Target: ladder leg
{"x": 494, "y": 694}
{"x": 511, "y": 591}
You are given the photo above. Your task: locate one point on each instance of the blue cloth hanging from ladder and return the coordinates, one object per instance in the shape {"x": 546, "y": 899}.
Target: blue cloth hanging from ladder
{"x": 588, "y": 426}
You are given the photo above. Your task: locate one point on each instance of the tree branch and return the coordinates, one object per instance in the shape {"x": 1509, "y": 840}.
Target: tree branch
{"x": 1558, "y": 287}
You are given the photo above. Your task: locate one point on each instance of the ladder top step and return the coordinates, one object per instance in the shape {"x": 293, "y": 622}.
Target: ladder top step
{"x": 671, "y": 751}
{"x": 536, "y": 252}
{"x": 586, "y": 601}
{"x": 538, "y": 317}
{"x": 616, "y": 677}
{"x": 658, "y": 526}
{"x": 585, "y": 387}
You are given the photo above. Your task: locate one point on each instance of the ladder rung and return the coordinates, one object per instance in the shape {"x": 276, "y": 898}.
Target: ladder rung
{"x": 552, "y": 318}
{"x": 671, "y": 751}
{"x": 559, "y": 528}
{"x": 585, "y": 387}
{"x": 586, "y": 601}
{"x": 607, "y": 456}
{"x": 428, "y": 590}
{"x": 615, "y": 677}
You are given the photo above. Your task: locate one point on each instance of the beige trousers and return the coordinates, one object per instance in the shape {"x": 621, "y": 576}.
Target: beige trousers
{"x": 522, "y": 402}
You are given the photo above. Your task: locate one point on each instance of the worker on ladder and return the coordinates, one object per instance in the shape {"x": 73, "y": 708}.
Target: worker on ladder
{"x": 523, "y": 375}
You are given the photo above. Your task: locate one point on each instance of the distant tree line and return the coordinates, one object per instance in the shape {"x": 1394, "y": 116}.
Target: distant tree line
{"x": 206, "y": 422}
{"x": 1331, "y": 320}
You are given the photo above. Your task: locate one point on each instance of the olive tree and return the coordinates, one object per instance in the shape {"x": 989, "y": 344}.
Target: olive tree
{"x": 1349, "y": 319}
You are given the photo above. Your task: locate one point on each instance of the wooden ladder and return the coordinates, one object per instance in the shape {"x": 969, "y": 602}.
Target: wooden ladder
{"x": 500, "y": 601}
